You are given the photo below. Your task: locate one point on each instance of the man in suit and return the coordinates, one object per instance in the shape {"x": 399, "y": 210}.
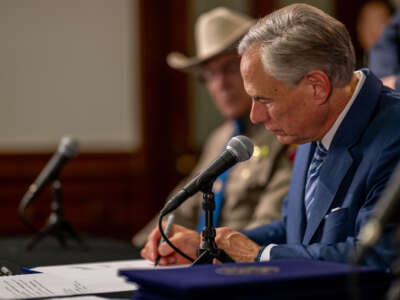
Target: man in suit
{"x": 298, "y": 67}
{"x": 251, "y": 193}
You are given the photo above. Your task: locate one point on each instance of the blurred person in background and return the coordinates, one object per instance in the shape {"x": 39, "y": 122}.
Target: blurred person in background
{"x": 372, "y": 18}
{"x": 251, "y": 193}
{"x": 384, "y": 56}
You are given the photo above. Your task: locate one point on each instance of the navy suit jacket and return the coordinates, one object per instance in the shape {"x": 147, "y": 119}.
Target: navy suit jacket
{"x": 363, "y": 154}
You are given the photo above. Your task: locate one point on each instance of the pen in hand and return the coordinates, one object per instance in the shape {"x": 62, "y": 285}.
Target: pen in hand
{"x": 167, "y": 229}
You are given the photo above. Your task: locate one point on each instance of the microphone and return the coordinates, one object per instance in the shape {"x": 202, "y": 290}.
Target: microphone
{"x": 67, "y": 149}
{"x": 385, "y": 211}
{"x": 239, "y": 148}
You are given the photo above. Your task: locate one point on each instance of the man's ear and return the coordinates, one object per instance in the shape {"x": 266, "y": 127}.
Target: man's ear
{"x": 320, "y": 84}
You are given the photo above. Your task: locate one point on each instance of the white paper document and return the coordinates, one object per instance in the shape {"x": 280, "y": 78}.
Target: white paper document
{"x": 73, "y": 279}
{"x": 39, "y": 285}
{"x": 104, "y": 268}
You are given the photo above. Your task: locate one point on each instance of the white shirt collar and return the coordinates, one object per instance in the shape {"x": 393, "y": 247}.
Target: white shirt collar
{"x": 328, "y": 137}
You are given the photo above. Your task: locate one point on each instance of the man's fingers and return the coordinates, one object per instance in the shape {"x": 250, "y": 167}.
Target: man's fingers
{"x": 150, "y": 251}
{"x": 145, "y": 253}
{"x": 169, "y": 260}
{"x": 186, "y": 240}
{"x": 166, "y": 249}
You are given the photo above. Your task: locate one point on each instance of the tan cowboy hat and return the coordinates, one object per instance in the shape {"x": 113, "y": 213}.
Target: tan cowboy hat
{"x": 215, "y": 32}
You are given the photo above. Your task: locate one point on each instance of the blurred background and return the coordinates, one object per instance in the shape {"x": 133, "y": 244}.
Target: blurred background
{"x": 96, "y": 70}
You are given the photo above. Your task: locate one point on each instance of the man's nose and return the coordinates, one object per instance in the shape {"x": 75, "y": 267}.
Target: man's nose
{"x": 258, "y": 113}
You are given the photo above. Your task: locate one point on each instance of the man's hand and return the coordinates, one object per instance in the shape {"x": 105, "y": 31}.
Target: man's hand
{"x": 239, "y": 247}
{"x": 184, "y": 239}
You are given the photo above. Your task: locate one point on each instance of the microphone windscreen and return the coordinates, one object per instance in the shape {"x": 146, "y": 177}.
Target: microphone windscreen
{"x": 68, "y": 146}
{"x": 241, "y": 147}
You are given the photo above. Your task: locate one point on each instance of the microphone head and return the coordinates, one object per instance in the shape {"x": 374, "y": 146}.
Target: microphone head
{"x": 241, "y": 147}
{"x": 68, "y": 146}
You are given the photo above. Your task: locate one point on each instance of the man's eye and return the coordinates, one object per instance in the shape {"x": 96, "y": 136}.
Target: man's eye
{"x": 259, "y": 99}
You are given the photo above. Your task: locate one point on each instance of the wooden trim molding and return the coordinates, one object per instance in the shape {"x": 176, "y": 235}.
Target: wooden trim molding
{"x": 102, "y": 193}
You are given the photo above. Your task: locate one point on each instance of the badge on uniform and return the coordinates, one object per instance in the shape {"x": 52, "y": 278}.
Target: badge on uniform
{"x": 261, "y": 151}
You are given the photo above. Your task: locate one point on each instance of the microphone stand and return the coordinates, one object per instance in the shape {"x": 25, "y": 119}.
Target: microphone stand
{"x": 56, "y": 225}
{"x": 208, "y": 249}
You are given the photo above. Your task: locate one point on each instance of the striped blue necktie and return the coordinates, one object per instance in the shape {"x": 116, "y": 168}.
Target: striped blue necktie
{"x": 219, "y": 193}
{"x": 313, "y": 177}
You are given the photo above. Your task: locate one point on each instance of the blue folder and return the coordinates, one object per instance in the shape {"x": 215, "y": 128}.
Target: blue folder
{"x": 278, "y": 279}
